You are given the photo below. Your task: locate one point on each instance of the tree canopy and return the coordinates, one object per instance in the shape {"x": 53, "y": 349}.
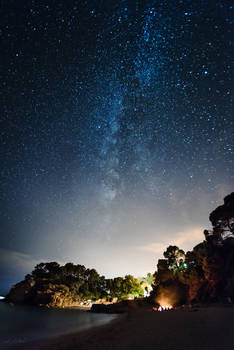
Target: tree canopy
{"x": 86, "y": 283}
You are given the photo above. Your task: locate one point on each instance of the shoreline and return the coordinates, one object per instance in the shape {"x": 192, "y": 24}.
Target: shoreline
{"x": 80, "y": 307}
{"x": 202, "y": 328}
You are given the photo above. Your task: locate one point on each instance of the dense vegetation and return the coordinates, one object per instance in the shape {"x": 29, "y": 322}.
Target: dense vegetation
{"x": 87, "y": 283}
{"x": 51, "y": 284}
{"x": 206, "y": 273}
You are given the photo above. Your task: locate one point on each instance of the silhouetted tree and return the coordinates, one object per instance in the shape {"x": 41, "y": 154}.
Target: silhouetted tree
{"x": 222, "y": 218}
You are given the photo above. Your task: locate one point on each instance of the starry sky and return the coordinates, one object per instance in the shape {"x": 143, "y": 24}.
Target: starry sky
{"x": 116, "y": 130}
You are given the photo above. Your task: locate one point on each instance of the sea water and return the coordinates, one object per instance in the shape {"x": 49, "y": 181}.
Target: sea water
{"x": 20, "y": 324}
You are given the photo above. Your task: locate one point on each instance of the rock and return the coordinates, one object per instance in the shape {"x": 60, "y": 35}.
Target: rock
{"x": 21, "y": 292}
{"x": 114, "y": 308}
{"x": 55, "y": 295}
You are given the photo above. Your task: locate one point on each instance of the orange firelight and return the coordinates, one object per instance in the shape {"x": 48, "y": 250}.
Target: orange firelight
{"x": 164, "y": 307}
{"x": 165, "y": 303}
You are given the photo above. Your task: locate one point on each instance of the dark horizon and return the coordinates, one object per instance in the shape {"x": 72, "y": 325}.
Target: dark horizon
{"x": 116, "y": 131}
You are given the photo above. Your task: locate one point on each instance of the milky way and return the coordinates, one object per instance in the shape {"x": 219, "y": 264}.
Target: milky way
{"x": 116, "y": 128}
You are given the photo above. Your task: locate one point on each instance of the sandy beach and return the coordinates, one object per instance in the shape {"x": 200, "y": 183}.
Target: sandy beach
{"x": 194, "y": 329}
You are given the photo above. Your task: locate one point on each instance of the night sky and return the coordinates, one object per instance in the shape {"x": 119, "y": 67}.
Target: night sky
{"x": 116, "y": 130}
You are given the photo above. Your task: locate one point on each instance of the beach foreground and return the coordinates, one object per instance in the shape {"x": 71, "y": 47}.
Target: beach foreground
{"x": 200, "y": 328}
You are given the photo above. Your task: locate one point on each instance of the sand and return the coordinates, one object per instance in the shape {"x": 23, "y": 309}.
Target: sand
{"x": 207, "y": 328}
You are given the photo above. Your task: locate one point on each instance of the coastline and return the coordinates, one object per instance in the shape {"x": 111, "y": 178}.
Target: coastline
{"x": 196, "y": 328}
{"x": 80, "y": 307}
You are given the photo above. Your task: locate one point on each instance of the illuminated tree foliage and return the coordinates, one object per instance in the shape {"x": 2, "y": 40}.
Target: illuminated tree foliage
{"x": 175, "y": 257}
{"x": 125, "y": 287}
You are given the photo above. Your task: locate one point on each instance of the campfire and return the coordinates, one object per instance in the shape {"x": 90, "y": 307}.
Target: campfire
{"x": 164, "y": 305}
{"x": 162, "y": 308}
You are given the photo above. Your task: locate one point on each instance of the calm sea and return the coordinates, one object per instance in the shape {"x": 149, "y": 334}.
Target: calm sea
{"x": 20, "y": 324}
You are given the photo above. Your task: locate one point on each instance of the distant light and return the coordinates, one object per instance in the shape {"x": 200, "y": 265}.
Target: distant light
{"x": 2, "y": 298}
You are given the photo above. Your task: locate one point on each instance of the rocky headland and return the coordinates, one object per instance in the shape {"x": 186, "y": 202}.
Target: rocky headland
{"x": 44, "y": 294}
